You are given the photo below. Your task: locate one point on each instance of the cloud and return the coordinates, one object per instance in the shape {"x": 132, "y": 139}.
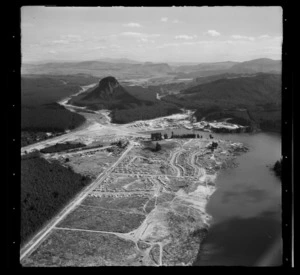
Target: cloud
{"x": 134, "y": 34}
{"x": 146, "y": 40}
{"x": 99, "y": 48}
{"x": 264, "y": 36}
{"x": 185, "y": 37}
{"x": 52, "y": 52}
{"x": 139, "y": 35}
{"x": 203, "y": 43}
{"x": 165, "y": 45}
{"x": 115, "y": 46}
{"x": 164, "y": 19}
{"x": 175, "y": 21}
{"x": 242, "y": 37}
{"x": 72, "y": 37}
{"x": 60, "y": 41}
{"x": 212, "y": 33}
{"x": 132, "y": 25}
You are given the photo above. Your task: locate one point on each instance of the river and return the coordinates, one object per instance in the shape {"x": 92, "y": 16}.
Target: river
{"x": 246, "y": 206}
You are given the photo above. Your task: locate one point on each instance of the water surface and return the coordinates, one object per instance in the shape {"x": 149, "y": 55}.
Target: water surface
{"x": 246, "y": 208}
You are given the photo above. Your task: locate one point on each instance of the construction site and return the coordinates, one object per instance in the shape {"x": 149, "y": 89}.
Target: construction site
{"x": 145, "y": 207}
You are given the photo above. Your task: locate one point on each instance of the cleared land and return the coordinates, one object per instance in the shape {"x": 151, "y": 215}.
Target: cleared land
{"x": 148, "y": 210}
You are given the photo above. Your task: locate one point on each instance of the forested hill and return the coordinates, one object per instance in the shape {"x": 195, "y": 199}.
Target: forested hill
{"x": 109, "y": 94}
{"x": 250, "y": 100}
{"x": 248, "y": 90}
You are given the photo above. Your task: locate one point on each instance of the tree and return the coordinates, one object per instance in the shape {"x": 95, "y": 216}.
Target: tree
{"x": 157, "y": 147}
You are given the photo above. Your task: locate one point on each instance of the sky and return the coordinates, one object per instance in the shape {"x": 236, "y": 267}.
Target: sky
{"x": 155, "y": 34}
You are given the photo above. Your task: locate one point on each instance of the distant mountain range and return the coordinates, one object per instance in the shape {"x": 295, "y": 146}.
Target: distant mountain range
{"x": 262, "y": 65}
{"x": 206, "y": 67}
{"x": 129, "y": 68}
{"x": 99, "y": 68}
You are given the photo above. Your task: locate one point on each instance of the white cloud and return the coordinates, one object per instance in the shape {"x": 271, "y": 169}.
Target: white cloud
{"x": 132, "y": 25}
{"x": 135, "y": 34}
{"x": 264, "y": 36}
{"x": 146, "y": 40}
{"x": 175, "y": 21}
{"x": 115, "y": 46}
{"x": 164, "y": 19}
{"x": 138, "y": 34}
{"x": 165, "y": 45}
{"x": 99, "y": 48}
{"x": 60, "y": 41}
{"x": 212, "y": 33}
{"x": 204, "y": 43}
{"x": 71, "y": 36}
{"x": 243, "y": 37}
{"x": 52, "y": 52}
{"x": 186, "y": 37}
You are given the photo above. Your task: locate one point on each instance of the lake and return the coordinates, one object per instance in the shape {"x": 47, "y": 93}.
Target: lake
{"x": 246, "y": 208}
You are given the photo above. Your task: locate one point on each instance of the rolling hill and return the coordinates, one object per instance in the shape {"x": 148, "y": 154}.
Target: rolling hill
{"x": 248, "y": 90}
{"x": 251, "y": 100}
{"x": 217, "y": 66}
{"x": 263, "y": 65}
{"x": 119, "y": 68}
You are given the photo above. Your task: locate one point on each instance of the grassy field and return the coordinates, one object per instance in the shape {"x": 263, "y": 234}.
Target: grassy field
{"x": 96, "y": 218}
{"x": 75, "y": 248}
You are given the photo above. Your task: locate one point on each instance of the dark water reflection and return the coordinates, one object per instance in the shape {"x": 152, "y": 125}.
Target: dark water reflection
{"x": 246, "y": 207}
{"x": 242, "y": 242}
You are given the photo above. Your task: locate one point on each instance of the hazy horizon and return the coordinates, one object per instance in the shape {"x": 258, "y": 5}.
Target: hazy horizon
{"x": 150, "y": 34}
{"x": 137, "y": 61}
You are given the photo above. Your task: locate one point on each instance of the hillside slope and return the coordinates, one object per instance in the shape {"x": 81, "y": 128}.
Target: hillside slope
{"x": 254, "y": 100}
{"x": 263, "y": 65}
{"x": 258, "y": 89}
{"x": 109, "y": 94}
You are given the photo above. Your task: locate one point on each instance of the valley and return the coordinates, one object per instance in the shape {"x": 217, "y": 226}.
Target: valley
{"x": 145, "y": 204}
